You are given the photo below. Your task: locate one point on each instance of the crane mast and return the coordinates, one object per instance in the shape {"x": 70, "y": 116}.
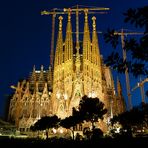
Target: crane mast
{"x": 122, "y": 34}
{"x": 52, "y": 39}
{"x": 77, "y": 30}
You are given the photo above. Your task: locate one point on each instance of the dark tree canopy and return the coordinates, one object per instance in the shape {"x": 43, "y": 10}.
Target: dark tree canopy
{"x": 92, "y": 109}
{"x": 138, "y": 17}
{"x": 134, "y": 119}
{"x": 46, "y": 123}
{"x": 71, "y": 121}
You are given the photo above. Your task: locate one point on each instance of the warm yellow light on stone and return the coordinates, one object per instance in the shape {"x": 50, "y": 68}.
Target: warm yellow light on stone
{"x": 54, "y": 130}
{"x": 78, "y": 70}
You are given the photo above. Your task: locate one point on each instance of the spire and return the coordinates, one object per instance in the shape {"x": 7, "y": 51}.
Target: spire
{"x": 59, "y": 46}
{"x": 121, "y": 102}
{"x": 33, "y": 76}
{"x": 95, "y": 45}
{"x": 41, "y": 77}
{"x": 27, "y": 91}
{"x": 33, "y": 67}
{"x": 119, "y": 88}
{"x": 45, "y": 90}
{"x": 68, "y": 41}
{"x": 36, "y": 89}
{"x": 86, "y": 38}
{"x": 27, "y": 87}
{"x": 49, "y": 75}
{"x": 78, "y": 63}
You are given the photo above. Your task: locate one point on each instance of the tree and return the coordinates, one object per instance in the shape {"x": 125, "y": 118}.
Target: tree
{"x": 71, "y": 121}
{"x": 87, "y": 132}
{"x": 134, "y": 119}
{"x": 97, "y": 133}
{"x": 45, "y": 123}
{"x": 138, "y": 49}
{"x": 91, "y": 109}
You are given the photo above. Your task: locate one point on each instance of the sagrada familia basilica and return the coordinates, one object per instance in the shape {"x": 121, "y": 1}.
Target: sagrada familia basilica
{"x": 78, "y": 70}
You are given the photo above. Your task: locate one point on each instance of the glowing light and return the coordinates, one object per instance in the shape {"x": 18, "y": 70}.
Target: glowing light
{"x": 58, "y": 95}
{"x": 54, "y": 130}
{"x": 65, "y": 96}
{"x": 89, "y": 95}
{"x": 92, "y": 94}
{"x": 61, "y": 131}
{"x": 12, "y": 86}
{"x": 117, "y": 130}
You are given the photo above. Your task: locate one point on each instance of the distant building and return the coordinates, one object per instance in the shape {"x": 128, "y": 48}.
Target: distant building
{"x": 6, "y": 128}
{"x": 78, "y": 70}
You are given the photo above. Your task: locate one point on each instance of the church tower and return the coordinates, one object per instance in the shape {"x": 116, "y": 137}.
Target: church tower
{"x": 121, "y": 106}
{"x": 78, "y": 70}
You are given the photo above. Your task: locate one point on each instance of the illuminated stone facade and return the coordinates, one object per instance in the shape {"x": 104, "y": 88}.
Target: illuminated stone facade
{"x": 78, "y": 70}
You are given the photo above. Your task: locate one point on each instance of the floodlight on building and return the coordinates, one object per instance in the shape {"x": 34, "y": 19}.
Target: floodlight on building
{"x": 65, "y": 96}
{"x": 61, "y": 130}
{"x": 58, "y": 95}
{"x": 54, "y": 130}
{"x": 92, "y": 94}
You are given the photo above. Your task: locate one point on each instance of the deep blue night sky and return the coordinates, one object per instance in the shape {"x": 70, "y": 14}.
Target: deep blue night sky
{"x": 25, "y": 37}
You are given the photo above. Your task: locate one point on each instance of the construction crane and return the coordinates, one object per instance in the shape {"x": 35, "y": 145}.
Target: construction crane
{"x": 74, "y": 10}
{"x": 123, "y": 34}
{"x": 141, "y": 85}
